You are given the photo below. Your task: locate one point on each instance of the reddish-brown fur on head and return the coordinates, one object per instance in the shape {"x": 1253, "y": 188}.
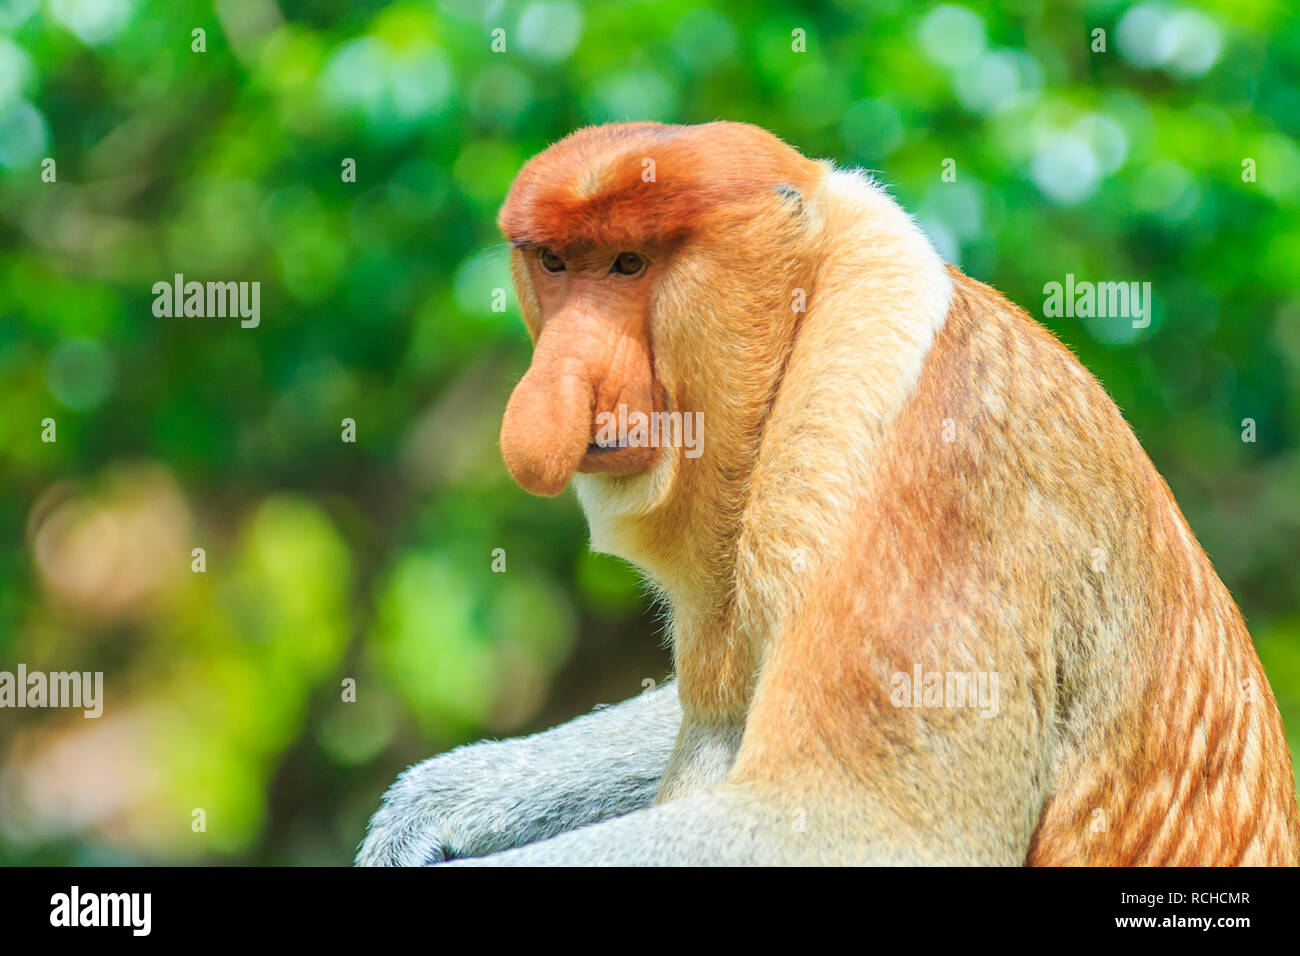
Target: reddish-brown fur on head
{"x": 594, "y": 188}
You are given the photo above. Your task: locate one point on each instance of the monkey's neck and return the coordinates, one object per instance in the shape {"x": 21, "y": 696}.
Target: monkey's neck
{"x": 854, "y": 365}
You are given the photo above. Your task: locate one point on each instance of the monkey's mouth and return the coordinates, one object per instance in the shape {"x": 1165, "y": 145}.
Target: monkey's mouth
{"x": 617, "y": 459}
{"x": 615, "y": 447}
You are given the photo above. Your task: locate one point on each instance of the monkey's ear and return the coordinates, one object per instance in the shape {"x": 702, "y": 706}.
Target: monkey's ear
{"x": 791, "y": 197}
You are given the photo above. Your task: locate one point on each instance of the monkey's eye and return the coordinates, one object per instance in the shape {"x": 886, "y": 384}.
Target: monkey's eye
{"x": 627, "y": 264}
{"x": 550, "y": 261}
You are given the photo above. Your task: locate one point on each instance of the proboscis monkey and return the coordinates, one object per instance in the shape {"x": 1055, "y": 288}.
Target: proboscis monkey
{"x": 930, "y": 601}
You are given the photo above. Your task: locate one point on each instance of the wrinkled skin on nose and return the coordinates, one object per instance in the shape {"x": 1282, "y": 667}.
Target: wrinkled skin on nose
{"x": 587, "y": 360}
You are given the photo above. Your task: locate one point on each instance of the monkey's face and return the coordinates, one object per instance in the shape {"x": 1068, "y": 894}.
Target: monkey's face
{"x": 654, "y": 267}
{"x": 592, "y": 367}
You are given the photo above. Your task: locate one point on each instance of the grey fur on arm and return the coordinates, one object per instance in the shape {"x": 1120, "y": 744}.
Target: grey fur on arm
{"x": 735, "y": 825}
{"x": 495, "y": 795}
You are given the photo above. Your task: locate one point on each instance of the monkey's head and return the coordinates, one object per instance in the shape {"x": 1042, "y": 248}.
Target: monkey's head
{"x": 656, "y": 268}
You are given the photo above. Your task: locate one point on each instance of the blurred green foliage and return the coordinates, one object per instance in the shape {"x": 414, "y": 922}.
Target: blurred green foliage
{"x": 327, "y": 561}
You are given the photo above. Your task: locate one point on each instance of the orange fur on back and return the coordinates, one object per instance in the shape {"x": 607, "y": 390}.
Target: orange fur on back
{"x": 1156, "y": 739}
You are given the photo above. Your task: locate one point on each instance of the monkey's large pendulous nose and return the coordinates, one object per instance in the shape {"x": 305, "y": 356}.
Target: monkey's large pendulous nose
{"x": 547, "y": 423}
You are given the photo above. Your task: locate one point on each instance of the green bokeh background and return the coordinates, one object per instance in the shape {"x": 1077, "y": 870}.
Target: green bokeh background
{"x": 372, "y": 561}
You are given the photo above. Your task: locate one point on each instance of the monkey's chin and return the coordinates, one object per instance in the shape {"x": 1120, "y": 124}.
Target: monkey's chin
{"x": 611, "y": 500}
